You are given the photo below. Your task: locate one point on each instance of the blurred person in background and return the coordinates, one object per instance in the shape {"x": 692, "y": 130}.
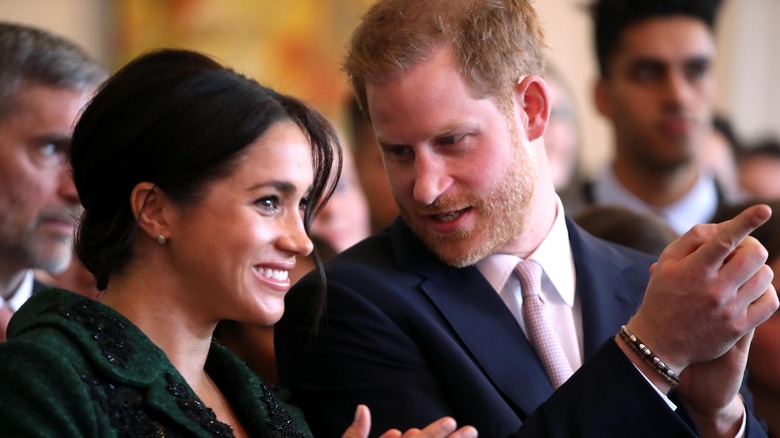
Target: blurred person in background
{"x": 759, "y": 169}
{"x": 75, "y": 277}
{"x": 370, "y": 168}
{"x": 45, "y": 80}
{"x": 562, "y": 141}
{"x": 562, "y": 137}
{"x": 641, "y": 231}
{"x": 719, "y": 157}
{"x": 657, "y": 89}
{"x": 345, "y": 219}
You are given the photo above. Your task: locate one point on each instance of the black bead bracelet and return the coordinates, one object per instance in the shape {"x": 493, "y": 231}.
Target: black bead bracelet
{"x": 648, "y": 356}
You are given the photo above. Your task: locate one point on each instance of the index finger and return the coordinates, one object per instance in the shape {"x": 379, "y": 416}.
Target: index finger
{"x": 731, "y": 232}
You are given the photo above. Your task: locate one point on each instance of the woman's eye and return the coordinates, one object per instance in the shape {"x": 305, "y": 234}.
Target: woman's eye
{"x": 268, "y": 204}
{"x": 304, "y": 204}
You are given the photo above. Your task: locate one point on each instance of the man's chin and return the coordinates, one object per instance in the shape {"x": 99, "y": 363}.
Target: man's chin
{"x": 56, "y": 261}
{"x": 459, "y": 252}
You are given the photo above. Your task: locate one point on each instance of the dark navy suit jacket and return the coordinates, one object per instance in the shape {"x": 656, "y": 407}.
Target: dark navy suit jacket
{"x": 416, "y": 340}
{"x": 38, "y": 286}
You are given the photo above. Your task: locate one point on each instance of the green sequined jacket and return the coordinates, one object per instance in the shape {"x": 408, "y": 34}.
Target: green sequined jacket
{"x": 76, "y": 368}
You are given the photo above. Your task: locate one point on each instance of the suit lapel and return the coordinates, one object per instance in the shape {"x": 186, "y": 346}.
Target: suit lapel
{"x": 481, "y": 322}
{"x": 609, "y": 286}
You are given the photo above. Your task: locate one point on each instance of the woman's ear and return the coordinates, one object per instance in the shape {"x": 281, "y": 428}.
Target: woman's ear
{"x": 150, "y": 206}
{"x": 533, "y": 99}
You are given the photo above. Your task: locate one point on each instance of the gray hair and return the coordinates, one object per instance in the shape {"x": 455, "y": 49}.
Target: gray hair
{"x": 34, "y": 56}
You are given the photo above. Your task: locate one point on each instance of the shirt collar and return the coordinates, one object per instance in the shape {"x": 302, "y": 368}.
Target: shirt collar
{"x": 697, "y": 206}
{"x": 22, "y": 293}
{"x": 554, "y": 248}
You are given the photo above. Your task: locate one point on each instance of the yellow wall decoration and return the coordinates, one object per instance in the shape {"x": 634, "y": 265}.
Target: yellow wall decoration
{"x": 293, "y": 46}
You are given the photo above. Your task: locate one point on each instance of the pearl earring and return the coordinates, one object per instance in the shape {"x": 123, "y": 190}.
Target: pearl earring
{"x": 160, "y": 239}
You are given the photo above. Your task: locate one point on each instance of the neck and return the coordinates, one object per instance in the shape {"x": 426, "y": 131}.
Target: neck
{"x": 155, "y": 304}
{"x": 540, "y": 222}
{"x": 654, "y": 187}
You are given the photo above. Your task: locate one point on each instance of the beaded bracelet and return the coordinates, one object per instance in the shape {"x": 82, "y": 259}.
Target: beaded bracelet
{"x": 648, "y": 356}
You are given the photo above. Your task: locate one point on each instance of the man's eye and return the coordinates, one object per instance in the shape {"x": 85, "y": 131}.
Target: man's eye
{"x": 397, "y": 152}
{"x": 697, "y": 70}
{"x": 48, "y": 153}
{"x": 647, "y": 73}
{"x": 450, "y": 139}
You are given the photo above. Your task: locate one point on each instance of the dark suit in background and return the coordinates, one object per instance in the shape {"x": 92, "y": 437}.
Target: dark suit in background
{"x": 38, "y": 286}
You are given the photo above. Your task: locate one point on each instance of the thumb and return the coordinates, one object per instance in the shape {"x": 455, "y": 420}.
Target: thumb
{"x": 361, "y": 425}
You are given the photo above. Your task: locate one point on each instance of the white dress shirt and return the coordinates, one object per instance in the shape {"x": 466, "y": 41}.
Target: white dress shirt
{"x": 696, "y": 207}
{"x": 558, "y": 283}
{"x": 22, "y": 293}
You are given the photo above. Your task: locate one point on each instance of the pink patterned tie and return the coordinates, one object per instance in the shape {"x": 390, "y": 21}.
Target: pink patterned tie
{"x": 538, "y": 329}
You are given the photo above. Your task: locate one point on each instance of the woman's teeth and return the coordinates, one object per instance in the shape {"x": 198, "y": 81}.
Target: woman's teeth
{"x": 276, "y": 274}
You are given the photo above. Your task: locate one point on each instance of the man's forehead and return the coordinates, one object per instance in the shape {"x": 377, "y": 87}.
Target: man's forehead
{"x": 669, "y": 40}
{"x": 666, "y": 34}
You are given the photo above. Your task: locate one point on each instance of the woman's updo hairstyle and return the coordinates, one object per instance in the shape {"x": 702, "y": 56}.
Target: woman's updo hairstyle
{"x": 179, "y": 120}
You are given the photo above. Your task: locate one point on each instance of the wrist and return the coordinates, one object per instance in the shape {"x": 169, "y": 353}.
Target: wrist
{"x": 651, "y": 365}
{"x": 643, "y": 367}
{"x": 662, "y": 345}
{"x": 726, "y": 422}
{"x": 646, "y": 354}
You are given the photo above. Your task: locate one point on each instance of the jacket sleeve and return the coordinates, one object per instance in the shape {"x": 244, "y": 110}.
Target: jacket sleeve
{"x": 608, "y": 396}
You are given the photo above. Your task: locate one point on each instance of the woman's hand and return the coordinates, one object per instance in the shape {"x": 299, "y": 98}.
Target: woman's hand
{"x": 441, "y": 428}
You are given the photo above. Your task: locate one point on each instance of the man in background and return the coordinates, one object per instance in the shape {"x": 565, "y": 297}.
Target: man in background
{"x": 44, "y": 82}
{"x": 759, "y": 167}
{"x": 657, "y": 88}
{"x": 370, "y": 167}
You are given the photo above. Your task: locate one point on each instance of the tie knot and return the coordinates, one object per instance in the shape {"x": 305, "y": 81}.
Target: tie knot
{"x": 530, "y": 274}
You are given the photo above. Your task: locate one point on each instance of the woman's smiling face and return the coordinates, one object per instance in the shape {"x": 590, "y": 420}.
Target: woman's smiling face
{"x": 235, "y": 246}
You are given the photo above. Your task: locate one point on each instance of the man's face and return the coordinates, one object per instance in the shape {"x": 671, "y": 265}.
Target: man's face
{"x": 458, "y": 169}
{"x": 38, "y": 201}
{"x": 660, "y": 91}
{"x": 758, "y": 177}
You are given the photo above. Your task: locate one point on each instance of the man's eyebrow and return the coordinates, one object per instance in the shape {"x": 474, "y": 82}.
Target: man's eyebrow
{"x": 446, "y": 130}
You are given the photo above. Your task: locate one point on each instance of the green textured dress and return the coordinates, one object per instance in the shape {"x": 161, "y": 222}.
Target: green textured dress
{"x": 76, "y": 368}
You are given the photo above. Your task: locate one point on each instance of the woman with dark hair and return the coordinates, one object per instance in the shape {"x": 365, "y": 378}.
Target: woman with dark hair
{"x": 199, "y": 186}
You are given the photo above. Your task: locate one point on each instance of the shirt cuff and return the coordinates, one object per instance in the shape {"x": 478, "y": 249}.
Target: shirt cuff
{"x": 672, "y": 406}
{"x": 665, "y": 398}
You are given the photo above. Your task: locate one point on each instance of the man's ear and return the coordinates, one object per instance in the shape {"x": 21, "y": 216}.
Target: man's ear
{"x": 150, "y": 207}
{"x": 601, "y": 98}
{"x": 532, "y": 100}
